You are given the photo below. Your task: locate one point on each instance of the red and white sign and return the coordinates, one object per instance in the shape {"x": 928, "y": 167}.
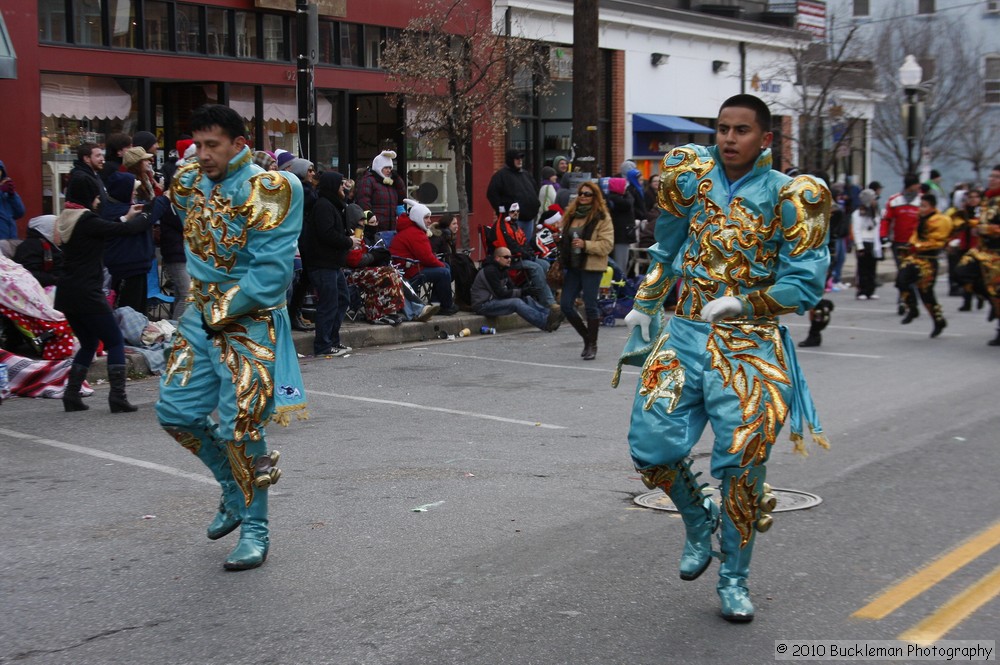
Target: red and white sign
{"x": 810, "y": 16}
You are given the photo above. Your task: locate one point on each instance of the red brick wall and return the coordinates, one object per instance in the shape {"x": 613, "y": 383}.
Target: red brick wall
{"x": 617, "y": 112}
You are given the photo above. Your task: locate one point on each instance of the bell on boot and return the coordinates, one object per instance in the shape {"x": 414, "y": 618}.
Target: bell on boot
{"x": 117, "y": 400}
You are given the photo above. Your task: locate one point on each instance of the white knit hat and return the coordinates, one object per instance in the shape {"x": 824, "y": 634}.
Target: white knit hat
{"x": 418, "y": 213}
{"x": 383, "y": 160}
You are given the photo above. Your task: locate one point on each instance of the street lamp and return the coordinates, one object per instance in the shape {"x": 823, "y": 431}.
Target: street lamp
{"x": 910, "y": 76}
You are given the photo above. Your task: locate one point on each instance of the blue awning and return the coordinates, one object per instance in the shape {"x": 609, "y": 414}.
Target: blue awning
{"x": 8, "y": 59}
{"x": 648, "y": 122}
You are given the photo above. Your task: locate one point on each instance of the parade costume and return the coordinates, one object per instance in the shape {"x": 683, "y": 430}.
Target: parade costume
{"x": 233, "y": 350}
{"x": 763, "y": 241}
{"x": 919, "y": 268}
{"x": 980, "y": 266}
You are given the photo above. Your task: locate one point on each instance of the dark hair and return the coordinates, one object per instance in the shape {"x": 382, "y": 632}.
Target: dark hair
{"x": 909, "y": 180}
{"x": 82, "y": 190}
{"x": 755, "y": 104}
{"x": 935, "y": 174}
{"x": 216, "y": 115}
{"x": 84, "y": 149}
{"x": 117, "y": 141}
{"x": 929, "y": 198}
{"x": 446, "y": 220}
{"x": 822, "y": 175}
{"x": 973, "y": 190}
{"x": 874, "y": 185}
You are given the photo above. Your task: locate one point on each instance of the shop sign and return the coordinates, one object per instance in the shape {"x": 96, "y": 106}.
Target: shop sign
{"x": 325, "y": 7}
{"x": 810, "y": 16}
{"x": 561, "y": 63}
{"x": 764, "y": 86}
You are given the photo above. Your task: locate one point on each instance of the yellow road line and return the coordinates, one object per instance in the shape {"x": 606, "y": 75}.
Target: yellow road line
{"x": 952, "y": 613}
{"x": 906, "y": 590}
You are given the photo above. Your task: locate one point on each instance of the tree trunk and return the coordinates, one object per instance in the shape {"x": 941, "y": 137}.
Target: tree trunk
{"x": 463, "y": 198}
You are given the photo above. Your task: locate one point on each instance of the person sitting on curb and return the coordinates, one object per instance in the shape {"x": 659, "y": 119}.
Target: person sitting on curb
{"x": 412, "y": 246}
{"x": 493, "y": 294}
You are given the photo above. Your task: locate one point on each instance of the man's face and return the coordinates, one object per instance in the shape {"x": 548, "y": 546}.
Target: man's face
{"x": 215, "y": 150}
{"x": 562, "y": 166}
{"x": 925, "y": 208}
{"x": 96, "y": 159}
{"x": 972, "y": 199}
{"x": 740, "y": 140}
{"x": 518, "y": 162}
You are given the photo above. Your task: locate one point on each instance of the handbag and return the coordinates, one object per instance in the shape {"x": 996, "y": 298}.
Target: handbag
{"x": 554, "y": 276}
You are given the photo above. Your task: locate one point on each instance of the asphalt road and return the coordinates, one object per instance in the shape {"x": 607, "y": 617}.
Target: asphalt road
{"x": 529, "y": 548}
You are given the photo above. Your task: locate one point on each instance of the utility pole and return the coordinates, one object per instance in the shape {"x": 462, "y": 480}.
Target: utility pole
{"x": 586, "y": 86}
{"x": 307, "y": 24}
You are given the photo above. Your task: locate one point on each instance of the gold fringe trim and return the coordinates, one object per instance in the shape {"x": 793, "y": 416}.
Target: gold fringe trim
{"x": 283, "y": 415}
{"x": 799, "y": 444}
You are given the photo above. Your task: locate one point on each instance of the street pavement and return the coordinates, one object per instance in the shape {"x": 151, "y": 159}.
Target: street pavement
{"x": 470, "y": 501}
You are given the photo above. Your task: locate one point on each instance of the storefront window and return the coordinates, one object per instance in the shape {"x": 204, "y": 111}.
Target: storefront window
{"x": 87, "y": 23}
{"x": 218, "y": 38}
{"x": 328, "y": 31}
{"x": 350, "y": 43}
{"x": 281, "y": 129}
{"x": 373, "y": 46}
{"x": 274, "y": 38}
{"x": 52, "y": 21}
{"x": 246, "y": 35}
{"x": 78, "y": 109}
{"x": 188, "y": 23}
{"x": 327, "y": 138}
{"x": 242, "y": 100}
{"x": 157, "y": 23}
{"x": 122, "y": 23}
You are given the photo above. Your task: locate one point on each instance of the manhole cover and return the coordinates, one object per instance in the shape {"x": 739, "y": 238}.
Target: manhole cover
{"x": 787, "y": 500}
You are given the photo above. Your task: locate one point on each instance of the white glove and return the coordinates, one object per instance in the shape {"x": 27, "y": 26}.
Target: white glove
{"x": 637, "y": 318}
{"x": 721, "y": 308}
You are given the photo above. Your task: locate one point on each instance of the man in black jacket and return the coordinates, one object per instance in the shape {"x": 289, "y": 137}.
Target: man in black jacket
{"x": 323, "y": 246}
{"x": 88, "y": 164}
{"x": 493, "y": 294}
{"x": 512, "y": 184}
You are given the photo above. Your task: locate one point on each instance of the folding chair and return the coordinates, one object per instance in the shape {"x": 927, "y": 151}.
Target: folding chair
{"x": 158, "y": 303}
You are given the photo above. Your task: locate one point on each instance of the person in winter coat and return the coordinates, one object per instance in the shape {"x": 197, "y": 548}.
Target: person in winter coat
{"x": 508, "y": 233}
{"x": 38, "y": 253}
{"x": 165, "y": 218}
{"x": 127, "y": 258}
{"x": 512, "y": 184}
{"x": 323, "y": 245}
{"x": 89, "y": 163}
{"x": 623, "y": 216}
{"x": 443, "y": 237}
{"x": 81, "y": 234}
{"x": 493, "y": 294}
{"x": 866, "y": 221}
{"x": 411, "y": 243}
{"x": 381, "y": 190}
{"x": 11, "y": 206}
{"x": 588, "y": 236}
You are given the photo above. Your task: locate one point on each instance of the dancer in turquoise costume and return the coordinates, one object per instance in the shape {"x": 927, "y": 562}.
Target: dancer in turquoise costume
{"x": 233, "y": 350}
{"x": 748, "y": 244}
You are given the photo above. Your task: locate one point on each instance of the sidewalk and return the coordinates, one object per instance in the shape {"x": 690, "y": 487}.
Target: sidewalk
{"x": 355, "y": 335}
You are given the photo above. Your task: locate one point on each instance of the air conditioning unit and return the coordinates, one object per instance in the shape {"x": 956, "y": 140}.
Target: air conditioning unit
{"x": 427, "y": 182}
{"x": 993, "y": 6}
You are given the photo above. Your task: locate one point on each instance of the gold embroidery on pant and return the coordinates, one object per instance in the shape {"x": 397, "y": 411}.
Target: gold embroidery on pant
{"x": 181, "y": 361}
{"x": 252, "y": 380}
{"x": 659, "y": 476}
{"x": 242, "y": 467}
{"x": 662, "y": 376}
{"x": 186, "y": 439}
{"x": 755, "y": 382}
{"x": 740, "y": 501}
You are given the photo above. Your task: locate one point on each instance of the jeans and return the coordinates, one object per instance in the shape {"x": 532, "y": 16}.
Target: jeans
{"x": 535, "y": 270}
{"x": 528, "y": 309}
{"x": 440, "y": 279}
{"x": 334, "y": 301}
{"x": 91, "y": 329}
{"x": 177, "y": 272}
{"x": 587, "y": 281}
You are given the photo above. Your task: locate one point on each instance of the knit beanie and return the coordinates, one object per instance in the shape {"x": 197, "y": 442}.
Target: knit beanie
{"x": 145, "y": 140}
{"x": 547, "y": 172}
{"x": 867, "y": 197}
{"x": 383, "y": 160}
{"x": 633, "y": 178}
{"x": 82, "y": 190}
{"x": 300, "y": 167}
{"x": 283, "y": 159}
{"x": 262, "y": 159}
{"x": 627, "y": 166}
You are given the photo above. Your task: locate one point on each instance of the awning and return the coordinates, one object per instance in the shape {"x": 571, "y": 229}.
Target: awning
{"x": 93, "y": 97}
{"x": 280, "y": 104}
{"x": 8, "y": 59}
{"x": 648, "y": 122}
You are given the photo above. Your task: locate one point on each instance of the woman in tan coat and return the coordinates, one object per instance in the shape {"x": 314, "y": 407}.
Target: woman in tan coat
{"x": 588, "y": 236}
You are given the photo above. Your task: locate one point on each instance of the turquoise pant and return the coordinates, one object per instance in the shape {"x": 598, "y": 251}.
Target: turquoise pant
{"x": 742, "y": 390}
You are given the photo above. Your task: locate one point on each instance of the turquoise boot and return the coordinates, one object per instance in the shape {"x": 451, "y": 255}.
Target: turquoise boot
{"x": 203, "y": 440}
{"x": 699, "y": 512}
{"x": 258, "y": 467}
{"x": 746, "y": 500}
